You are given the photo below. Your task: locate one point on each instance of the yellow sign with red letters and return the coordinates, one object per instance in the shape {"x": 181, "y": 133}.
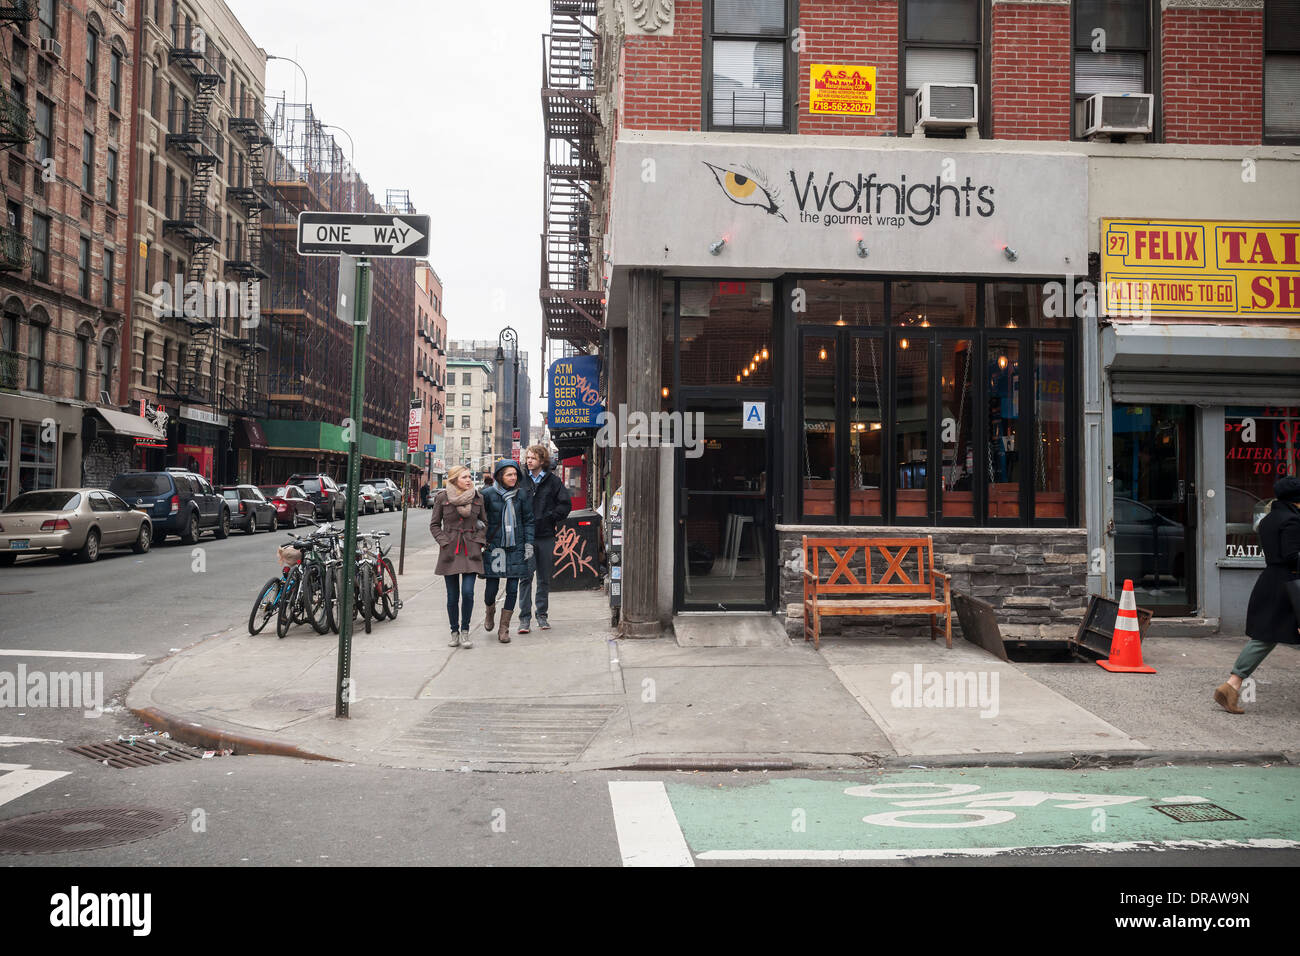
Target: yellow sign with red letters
{"x": 847, "y": 90}
{"x": 1195, "y": 267}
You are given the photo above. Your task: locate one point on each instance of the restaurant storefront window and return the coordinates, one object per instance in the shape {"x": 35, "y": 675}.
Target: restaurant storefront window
{"x": 957, "y": 411}
{"x": 1261, "y": 444}
{"x": 36, "y": 462}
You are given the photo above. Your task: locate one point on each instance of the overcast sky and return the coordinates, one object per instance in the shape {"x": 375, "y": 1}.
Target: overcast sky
{"x": 443, "y": 99}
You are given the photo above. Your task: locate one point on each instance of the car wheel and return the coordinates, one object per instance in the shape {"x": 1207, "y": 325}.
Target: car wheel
{"x": 275, "y": 524}
{"x": 293, "y": 522}
{"x": 7, "y": 560}
{"x": 252, "y": 524}
{"x": 223, "y": 526}
{"x": 191, "y": 533}
{"x": 143, "y": 540}
{"x": 90, "y": 550}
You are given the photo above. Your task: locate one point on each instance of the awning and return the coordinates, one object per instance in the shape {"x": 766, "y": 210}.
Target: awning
{"x": 254, "y": 434}
{"x": 126, "y": 424}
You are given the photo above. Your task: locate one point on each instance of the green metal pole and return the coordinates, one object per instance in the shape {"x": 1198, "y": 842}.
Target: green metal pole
{"x": 360, "y": 326}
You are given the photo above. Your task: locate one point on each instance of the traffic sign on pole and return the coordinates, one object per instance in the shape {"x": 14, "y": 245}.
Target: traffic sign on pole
{"x": 372, "y": 235}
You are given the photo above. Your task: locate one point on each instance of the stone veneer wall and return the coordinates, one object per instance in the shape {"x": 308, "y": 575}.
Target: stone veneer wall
{"x": 1036, "y": 578}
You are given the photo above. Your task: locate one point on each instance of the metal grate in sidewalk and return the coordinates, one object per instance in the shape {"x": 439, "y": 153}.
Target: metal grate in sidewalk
{"x": 507, "y": 730}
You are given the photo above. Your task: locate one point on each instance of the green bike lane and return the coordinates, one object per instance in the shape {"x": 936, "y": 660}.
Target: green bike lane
{"x": 974, "y": 813}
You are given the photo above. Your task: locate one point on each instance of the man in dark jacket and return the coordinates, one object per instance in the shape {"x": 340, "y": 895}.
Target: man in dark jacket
{"x": 550, "y": 506}
{"x": 1270, "y": 617}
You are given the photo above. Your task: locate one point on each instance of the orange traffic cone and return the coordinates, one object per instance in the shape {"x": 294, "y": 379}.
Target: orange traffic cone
{"x": 1126, "y": 644}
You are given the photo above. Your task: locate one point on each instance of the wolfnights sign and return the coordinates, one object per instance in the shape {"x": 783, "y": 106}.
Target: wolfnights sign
{"x": 575, "y": 396}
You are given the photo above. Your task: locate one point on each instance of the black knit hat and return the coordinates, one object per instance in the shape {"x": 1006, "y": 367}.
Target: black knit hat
{"x": 1287, "y": 489}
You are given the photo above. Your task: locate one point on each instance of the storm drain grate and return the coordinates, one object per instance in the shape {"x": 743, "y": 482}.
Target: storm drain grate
{"x": 1197, "y": 812}
{"x": 508, "y": 731}
{"x": 142, "y": 753}
{"x": 88, "y": 828}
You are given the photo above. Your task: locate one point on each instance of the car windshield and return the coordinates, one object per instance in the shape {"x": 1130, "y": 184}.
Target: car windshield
{"x": 231, "y": 493}
{"x": 44, "y": 501}
{"x": 128, "y": 486}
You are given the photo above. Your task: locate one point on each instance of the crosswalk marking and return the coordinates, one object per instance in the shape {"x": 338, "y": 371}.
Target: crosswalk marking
{"x": 15, "y": 741}
{"x": 20, "y": 780}
{"x": 648, "y": 834}
{"x": 85, "y": 655}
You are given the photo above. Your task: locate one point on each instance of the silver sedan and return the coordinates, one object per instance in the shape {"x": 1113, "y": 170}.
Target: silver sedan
{"x": 79, "y": 521}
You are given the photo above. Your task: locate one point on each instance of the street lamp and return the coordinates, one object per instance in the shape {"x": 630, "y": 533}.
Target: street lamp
{"x": 306, "y": 98}
{"x": 352, "y": 166}
{"x": 510, "y": 335}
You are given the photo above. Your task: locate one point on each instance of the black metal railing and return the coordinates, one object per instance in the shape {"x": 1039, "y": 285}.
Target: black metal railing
{"x": 18, "y": 10}
{"x": 15, "y": 250}
{"x": 198, "y": 225}
{"x": 11, "y": 368}
{"x": 192, "y": 135}
{"x": 15, "y": 121}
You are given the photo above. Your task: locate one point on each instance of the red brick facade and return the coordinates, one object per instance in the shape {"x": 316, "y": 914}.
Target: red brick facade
{"x": 662, "y": 75}
{"x": 1212, "y": 75}
{"x": 853, "y": 34}
{"x": 1031, "y": 71}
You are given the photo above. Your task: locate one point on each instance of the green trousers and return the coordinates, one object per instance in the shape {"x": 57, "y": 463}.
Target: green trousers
{"x": 1251, "y": 656}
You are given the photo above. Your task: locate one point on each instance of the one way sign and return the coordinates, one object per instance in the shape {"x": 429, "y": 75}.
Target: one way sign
{"x": 363, "y": 234}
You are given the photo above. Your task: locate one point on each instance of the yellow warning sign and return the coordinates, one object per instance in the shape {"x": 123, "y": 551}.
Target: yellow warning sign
{"x": 847, "y": 90}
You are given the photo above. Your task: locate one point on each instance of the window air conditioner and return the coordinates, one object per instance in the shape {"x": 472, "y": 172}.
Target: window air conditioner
{"x": 52, "y": 46}
{"x": 1110, "y": 113}
{"x": 120, "y": 8}
{"x": 946, "y": 106}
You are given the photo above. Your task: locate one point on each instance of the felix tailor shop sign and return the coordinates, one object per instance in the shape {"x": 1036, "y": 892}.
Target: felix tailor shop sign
{"x": 575, "y": 395}
{"x": 847, "y": 209}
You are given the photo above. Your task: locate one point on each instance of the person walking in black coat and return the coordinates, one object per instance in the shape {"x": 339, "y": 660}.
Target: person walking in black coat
{"x": 1270, "y": 618}
{"x": 551, "y": 505}
{"x": 509, "y": 548}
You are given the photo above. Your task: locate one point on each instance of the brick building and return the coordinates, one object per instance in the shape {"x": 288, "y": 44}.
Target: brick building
{"x": 856, "y": 241}
{"x": 66, "y": 71}
{"x": 430, "y": 374}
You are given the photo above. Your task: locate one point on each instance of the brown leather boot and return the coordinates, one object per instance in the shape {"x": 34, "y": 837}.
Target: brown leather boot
{"x": 503, "y": 633}
{"x": 1225, "y": 695}
{"x": 490, "y": 621}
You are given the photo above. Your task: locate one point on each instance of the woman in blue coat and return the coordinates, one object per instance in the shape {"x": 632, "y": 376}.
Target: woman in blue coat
{"x": 509, "y": 548}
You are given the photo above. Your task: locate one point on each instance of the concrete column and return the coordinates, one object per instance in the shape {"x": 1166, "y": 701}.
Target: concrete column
{"x": 641, "y": 465}
{"x": 617, "y": 359}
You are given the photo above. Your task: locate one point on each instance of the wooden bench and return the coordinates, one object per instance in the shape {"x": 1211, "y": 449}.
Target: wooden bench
{"x": 897, "y": 589}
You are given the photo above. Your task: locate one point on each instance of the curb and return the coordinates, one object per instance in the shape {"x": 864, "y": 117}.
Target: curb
{"x": 209, "y": 738}
{"x": 1080, "y": 761}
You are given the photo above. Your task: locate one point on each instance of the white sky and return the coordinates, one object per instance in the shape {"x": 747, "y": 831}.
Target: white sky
{"x": 441, "y": 98}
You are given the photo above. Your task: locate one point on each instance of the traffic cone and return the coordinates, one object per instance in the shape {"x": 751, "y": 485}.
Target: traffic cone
{"x": 1126, "y": 644}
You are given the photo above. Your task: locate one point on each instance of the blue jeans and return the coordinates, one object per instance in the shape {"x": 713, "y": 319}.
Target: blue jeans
{"x": 494, "y": 584}
{"x": 460, "y": 588}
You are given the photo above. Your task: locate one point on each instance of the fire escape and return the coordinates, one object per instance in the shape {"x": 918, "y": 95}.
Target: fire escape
{"x": 572, "y": 310}
{"x": 191, "y": 133}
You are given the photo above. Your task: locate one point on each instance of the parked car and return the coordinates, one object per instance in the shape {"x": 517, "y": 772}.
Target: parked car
{"x": 177, "y": 501}
{"x": 391, "y": 492}
{"x": 249, "y": 509}
{"x": 374, "y": 501}
{"x": 322, "y": 491}
{"x": 292, "y": 506}
{"x": 78, "y": 521}
{"x": 365, "y": 502}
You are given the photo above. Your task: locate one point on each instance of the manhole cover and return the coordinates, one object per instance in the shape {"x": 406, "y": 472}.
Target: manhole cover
{"x": 85, "y": 829}
{"x": 508, "y": 731}
{"x": 1197, "y": 812}
{"x": 142, "y": 753}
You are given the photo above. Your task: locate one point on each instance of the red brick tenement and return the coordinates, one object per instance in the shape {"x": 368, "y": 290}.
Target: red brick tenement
{"x": 663, "y": 75}
{"x": 1031, "y": 70}
{"x": 853, "y": 34}
{"x": 1212, "y": 73}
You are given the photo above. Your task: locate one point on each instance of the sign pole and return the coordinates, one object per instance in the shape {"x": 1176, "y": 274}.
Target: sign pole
{"x": 360, "y": 326}
{"x": 401, "y": 552}
{"x": 412, "y": 444}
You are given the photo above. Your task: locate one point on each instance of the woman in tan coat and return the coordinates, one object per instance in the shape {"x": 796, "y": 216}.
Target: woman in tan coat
{"x": 459, "y": 526}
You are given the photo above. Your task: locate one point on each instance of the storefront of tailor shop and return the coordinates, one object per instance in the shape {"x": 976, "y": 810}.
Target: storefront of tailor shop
{"x": 896, "y": 371}
{"x": 1202, "y": 407}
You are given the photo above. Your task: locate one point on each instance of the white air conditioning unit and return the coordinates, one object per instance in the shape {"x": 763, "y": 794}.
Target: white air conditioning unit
{"x": 52, "y": 46}
{"x": 1117, "y": 113}
{"x": 946, "y": 106}
{"x": 120, "y": 9}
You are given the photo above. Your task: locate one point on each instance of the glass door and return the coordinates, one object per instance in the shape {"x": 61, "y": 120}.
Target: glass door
{"x": 724, "y": 513}
{"x": 1155, "y": 506}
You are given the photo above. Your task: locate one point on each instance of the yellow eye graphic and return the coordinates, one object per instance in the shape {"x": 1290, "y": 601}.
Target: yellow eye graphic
{"x": 745, "y": 187}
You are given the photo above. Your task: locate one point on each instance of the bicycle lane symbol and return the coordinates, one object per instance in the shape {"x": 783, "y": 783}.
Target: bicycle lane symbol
{"x": 964, "y": 801}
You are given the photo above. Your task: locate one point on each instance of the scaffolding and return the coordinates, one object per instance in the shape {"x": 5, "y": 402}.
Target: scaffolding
{"x": 573, "y": 306}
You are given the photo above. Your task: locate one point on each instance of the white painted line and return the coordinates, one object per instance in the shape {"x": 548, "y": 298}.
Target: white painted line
{"x": 648, "y": 834}
{"x": 21, "y": 781}
{"x": 96, "y": 655}
{"x": 15, "y": 741}
{"x": 909, "y": 854}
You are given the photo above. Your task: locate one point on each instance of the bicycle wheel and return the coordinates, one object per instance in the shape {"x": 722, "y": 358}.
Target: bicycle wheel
{"x": 387, "y": 587}
{"x": 288, "y": 598}
{"x": 366, "y": 595}
{"x": 265, "y": 606}
{"x": 334, "y": 600}
{"x": 313, "y": 599}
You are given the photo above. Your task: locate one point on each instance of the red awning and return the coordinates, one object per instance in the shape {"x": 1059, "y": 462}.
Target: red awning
{"x": 253, "y": 432}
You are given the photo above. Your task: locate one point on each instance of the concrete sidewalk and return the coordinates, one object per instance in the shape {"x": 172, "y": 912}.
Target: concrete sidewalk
{"x": 576, "y": 698}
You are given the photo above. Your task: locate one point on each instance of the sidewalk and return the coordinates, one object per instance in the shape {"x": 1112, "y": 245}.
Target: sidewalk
{"x": 575, "y": 698}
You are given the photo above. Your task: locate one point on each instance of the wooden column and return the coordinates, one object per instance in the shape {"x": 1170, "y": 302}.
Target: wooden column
{"x": 640, "y": 614}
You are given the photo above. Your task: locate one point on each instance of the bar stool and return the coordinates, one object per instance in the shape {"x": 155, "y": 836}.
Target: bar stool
{"x": 741, "y": 523}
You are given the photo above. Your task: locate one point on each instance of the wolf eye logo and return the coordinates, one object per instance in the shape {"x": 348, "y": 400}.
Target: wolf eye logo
{"x": 747, "y": 188}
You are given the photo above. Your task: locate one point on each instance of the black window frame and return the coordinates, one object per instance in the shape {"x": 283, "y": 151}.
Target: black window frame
{"x": 790, "y": 67}
{"x": 88, "y": 162}
{"x": 36, "y": 335}
{"x": 92, "y": 60}
{"x": 1285, "y": 46}
{"x": 44, "y": 138}
{"x": 1151, "y": 70}
{"x": 83, "y": 267}
{"x": 41, "y": 272}
{"x": 107, "y": 363}
{"x": 983, "y": 67}
{"x": 115, "y": 79}
{"x": 47, "y": 29}
{"x": 81, "y": 367}
{"x": 109, "y": 267}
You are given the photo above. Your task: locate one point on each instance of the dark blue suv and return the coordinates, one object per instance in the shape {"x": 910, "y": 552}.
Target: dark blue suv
{"x": 177, "y": 501}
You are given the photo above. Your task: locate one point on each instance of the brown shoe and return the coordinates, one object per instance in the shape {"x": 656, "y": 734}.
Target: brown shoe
{"x": 503, "y": 632}
{"x": 490, "y": 621}
{"x": 1225, "y": 695}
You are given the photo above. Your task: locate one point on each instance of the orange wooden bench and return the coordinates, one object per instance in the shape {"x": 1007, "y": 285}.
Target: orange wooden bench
{"x": 900, "y": 587}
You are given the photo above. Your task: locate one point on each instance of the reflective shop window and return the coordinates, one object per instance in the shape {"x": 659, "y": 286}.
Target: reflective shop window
{"x": 957, "y": 411}
{"x": 819, "y": 413}
{"x": 725, "y": 333}
{"x": 1261, "y": 444}
{"x": 866, "y": 425}
{"x": 841, "y": 302}
{"x": 36, "y": 459}
{"x": 1002, "y": 363}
